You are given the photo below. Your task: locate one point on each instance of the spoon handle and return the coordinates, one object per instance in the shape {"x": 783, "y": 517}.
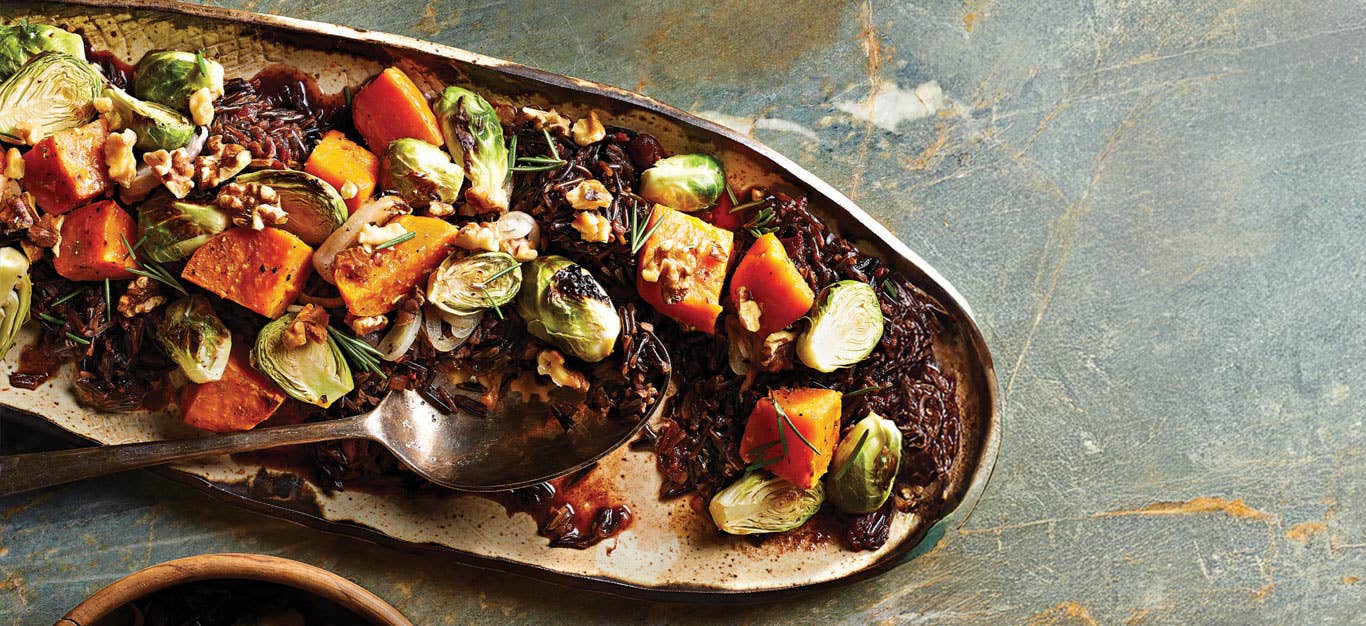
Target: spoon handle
{"x": 23, "y": 472}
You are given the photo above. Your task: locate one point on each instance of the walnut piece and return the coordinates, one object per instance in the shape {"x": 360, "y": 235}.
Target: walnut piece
{"x": 477, "y": 236}
{"x": 366, "y": 325}
{"x": 747, "y": 309}
{"x": 589, "y": 130}
{"x": 142, "y": 296}
{"x": 16, "y": 208}
{"x": 544, "y": 120}
{"x": 551, "y": 363}
{"x": 47, "y": 231}
{"x": 593, "y": 227}
{"x": 588, "y": 195}
{"x": 520, "y": 249}
{"x": 14, "y": 164}
{"x": 220, "y": 162}
{"x": 253, "y": 205}
{"x": 777, "y": 352}
{"x": 440, "y": 209}
{"x": 310, "y": 324}
{"x": 175, "y": 169}
{"x": 201, "y": 107}
{"x": 675, "y": 279}
{"x": 118, "y": 156}
{"x": 371, "y": 235}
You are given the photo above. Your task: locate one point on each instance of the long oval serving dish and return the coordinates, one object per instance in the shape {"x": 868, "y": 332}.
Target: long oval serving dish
{"x": 671, "y": 551}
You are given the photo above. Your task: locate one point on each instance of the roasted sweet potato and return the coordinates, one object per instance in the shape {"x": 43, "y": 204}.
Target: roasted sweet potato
{"x": 683, "y": 268}
{"x": 373, "y": 283}
{"x": 92, "y": 246}
{"x": 263, "y": 270}
{"x": 67, "y": 169}
{"x": 391, "y": 107}
{"x": 339, "y": 160}
{"x": 816, "y": 414}
{"x": 767, "y": 278}
{"x": 240, "y": 400}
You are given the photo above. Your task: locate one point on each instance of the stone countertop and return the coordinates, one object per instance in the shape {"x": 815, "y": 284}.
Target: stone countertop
{"x": 1156, "y": 209}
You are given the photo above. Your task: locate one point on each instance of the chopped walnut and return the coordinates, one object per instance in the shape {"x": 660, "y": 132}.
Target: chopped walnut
{"x": 440, "y": 209}
{"x": 310, "y": 324}
{"x": 47, "y": 231}
{"x": 14, "y": 164}
{"x": 777, "y": 352}
{"x": 548, "y": 120}
{"x": 410, "y": 306}
{"x": 675, "y": 279}
{"x": 349, "y": 190}
{"x": 118, "y": 156}
{"x": 142, "y": 296}
{"x": 593, "y": 227}
{"x": 371, "y": 235}
{"x": 654, "y": 265}
{"x": 28, "y": 132}
{"x": 589, "y": 130}
{"x": 366, "y": 325}
{"x": 16, "y": 208}
{"x": 175, "y": 169}
{"x": 477, "y": 236}
{"x": 219, "y": 162}
{"x": 253, "y": 205}
{"x": 551, "y": 363}
{"x": 520, "y": 249}
{"x": 748, "y": 310}
{"x": 588, "y": 195}
{"x": 201, "y": 107}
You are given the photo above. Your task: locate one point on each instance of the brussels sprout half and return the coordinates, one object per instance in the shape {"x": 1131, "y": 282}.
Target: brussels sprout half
{"x": 687, "y": 182}
{"x": 314, "y": 208}
{"x": 157, "y": 127}
{"x": 763, "y": 503}
{"x": 463, "y": 286}
{"x": 845, "y": 327}
{"x": 316, "y": 372}
{"x": 563, "y": 304}
{"x": 23, "y": 41}
{"x": 16, "y": 294}
{"x": 170, "y": 77}
{"x": 195, "y": 338}
{"x": 474, "y": 137}
{"x": 172, "y": 230}
{"x": 420, "y": 172}
{"x": 52, "y": 92}
{"x": 864, "y": 466}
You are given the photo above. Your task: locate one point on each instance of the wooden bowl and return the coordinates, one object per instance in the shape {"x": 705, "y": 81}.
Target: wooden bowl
{"x": 306, "y": 578}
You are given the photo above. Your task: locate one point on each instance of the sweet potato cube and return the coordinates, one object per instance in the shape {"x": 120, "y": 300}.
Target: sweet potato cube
{"x": 339, "y": 160}
{"x": 702, "y": 250}
{"x": 373, "y": 283}
{"x": 816, "y": 415}
{"x": 67, "y": 169}
{"x": 92, "y": 245}
{"x": 392, "y": 107}
{"x": 240, "y": 400}
{"x": 767, "y": 288}
{"x": 263, "y": 270}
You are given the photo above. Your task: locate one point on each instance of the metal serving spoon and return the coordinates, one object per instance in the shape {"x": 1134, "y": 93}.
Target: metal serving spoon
{"x": 517, "y": 444}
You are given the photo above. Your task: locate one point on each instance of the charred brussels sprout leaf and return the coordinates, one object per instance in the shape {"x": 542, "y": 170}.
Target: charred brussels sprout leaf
{"x": 475, "y": 138}
{"x": 52, "y": 92}
{"x": 171, "y": 77}
{"x": 845, "y": 327}
{"x": 16, "y": 294}
{"x": 762, "y": 503}
{"x": 195, "y": 338}
{"x": 316, "y": 372}
{"x": 420, "y": 172}
{"x": 314, "y": 208}
{"x": 157, "y": 127}
{"x": 563, "y": 304}
{"x": 687, "y": 182}
{"x": 21, "y": 42}
{"x": 864, "y": 466}
{"x": 172, "y": 230}
{"x": 463, "y": 286}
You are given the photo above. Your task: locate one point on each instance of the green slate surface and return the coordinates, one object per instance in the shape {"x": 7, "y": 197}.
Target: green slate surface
{"x": 1156, "y": 209}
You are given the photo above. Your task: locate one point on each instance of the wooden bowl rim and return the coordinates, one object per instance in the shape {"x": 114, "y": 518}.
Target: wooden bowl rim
{"x": 239, "y": 566}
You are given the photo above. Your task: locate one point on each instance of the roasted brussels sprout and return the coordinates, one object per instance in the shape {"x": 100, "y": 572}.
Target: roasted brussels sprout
{"x": 864, "y": 466}
{"x": 686, "y": 182}
{"x": 763, "y": 503}
{"x": 195, "y": 338}
{"x": 420, "y": 172}
{"x": 23, "y": 41}
{"x": 16, "y": 293}
{"x": 563, "y": 304}
{"x": 462, "y": 286}
{"x": 52, "y": 92}
{"x": 315, "y": 372}
{"x": 171, "y": 77}
{"x": 845, "y": 327}
{"x": 172, "y": 229}
{"x": 475, "y": 138}
{"x": 157, "y": 127}
{"x": 314, "y": 208}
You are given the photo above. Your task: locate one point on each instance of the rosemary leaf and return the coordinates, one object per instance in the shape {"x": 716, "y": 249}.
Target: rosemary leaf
{"x": 783, "y": 415}
{"x": 865, "y": 390}
{"x": 849, "y": 462}
{"x": 396, "y": 240}
{"x": 67, "y": 298}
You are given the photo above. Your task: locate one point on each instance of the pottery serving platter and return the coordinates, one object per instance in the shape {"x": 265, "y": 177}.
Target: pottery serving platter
{"x": 671, "y": 551}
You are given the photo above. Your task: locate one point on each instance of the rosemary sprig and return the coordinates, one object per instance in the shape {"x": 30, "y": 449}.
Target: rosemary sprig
{"x": 396, "y": 240}
{"x": 782, "y": 417}
{"x": 498, "y": 274}
{"x": 78, "y": 339}
{"x": 201, "y": 63}
{"x": 539, "y": 168}
{"x": 152, "y": 270}
{"x": 891, "y": 289}
{"x": 67, "y": 298}
{"x": 346, "y": 95}
{"x": 512, "y": 158}
{"x": 108, "y": 301}
{"x": 492, "y": 303}
{"x": 849, "y": 462}
{"x": 747, "y": 206}
{"x": 538, "y": 163}
{"x": 61, "y": 323}
{"x": 731, "y": 194}
{"x": 638, "y": 232}
{"x": 865, "y": 390}
{"x": 759, "y": 451}
{"x": 361, "y": 355}
{"x": 554, "y": 152}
